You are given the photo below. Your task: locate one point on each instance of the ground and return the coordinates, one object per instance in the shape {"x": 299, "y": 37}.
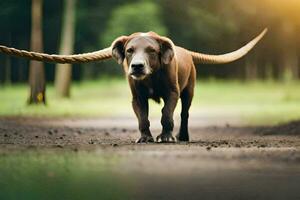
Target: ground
{"x": 245, "y": 144}
{"x": 224, "y": 161}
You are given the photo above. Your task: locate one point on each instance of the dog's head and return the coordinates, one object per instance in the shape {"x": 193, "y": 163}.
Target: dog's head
{"x": 142, "y": 53}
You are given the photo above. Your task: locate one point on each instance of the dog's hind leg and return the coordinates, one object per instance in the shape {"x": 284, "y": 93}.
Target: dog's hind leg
{"x": 186, "y": 101}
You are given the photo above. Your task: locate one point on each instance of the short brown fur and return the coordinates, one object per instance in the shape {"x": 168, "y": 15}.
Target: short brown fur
{"x": 157, "y": 69}
{"x": 171, "y": 79}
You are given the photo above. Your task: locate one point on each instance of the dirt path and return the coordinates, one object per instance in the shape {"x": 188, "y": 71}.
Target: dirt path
{"x": 122, "y": 132}
{"x": 221, "y": 162}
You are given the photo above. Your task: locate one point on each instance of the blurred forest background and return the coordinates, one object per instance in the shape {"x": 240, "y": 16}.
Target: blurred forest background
{"x": 209, "y": 26}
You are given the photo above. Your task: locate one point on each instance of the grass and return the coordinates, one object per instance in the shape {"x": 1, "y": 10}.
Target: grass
{"x": 60, "y": 175}
{"x": 101, "y": 98}
{"x": 251, "y": 102}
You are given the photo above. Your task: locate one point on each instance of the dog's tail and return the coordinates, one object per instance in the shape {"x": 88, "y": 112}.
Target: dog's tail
{"x": 76, "y": 58}
{"x": 200, "y": 58}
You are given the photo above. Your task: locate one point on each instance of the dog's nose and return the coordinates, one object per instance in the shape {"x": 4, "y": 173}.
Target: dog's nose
{"x": 137, "y": 66}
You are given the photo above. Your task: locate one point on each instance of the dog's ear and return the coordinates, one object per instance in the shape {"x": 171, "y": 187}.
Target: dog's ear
{"x": 118, "y": 49}
{"x": 167, "y": 50}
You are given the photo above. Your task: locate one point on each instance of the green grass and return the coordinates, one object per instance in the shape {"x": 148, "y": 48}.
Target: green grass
{"x": 101, "y": 98}
{"x": 251, "y": 102}
{"x": 60, "y": 175}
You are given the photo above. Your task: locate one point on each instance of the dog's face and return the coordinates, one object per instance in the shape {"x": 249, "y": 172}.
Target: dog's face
{"x": 142, "y": 57}
{"x": 143, "y": 53}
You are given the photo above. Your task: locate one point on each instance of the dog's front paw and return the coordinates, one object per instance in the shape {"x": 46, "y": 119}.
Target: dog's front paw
{"x": 182, "y": 137}
{"x": 145, "y": 139}
{"x": 165, "y": 138}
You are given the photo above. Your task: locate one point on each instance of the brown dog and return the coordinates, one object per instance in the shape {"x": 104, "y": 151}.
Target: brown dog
{"x": 156, "y": 69}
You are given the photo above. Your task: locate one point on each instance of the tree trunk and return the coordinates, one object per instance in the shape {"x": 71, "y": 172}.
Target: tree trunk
{"x": 269, "y": 71}
{"x": 63, "y": 73}
{"x": 7, "y": 78}
{"x": 37, "y": 71}
{"x": 289, "y": 57}
{"x": 251, "y": 70}
{"x": 290, "y": 65}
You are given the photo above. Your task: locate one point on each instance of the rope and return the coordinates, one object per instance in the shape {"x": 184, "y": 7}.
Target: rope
{"x": 107, "y": 54}
{"x": 226, "y": 58}
{"x": 76, "y": 58}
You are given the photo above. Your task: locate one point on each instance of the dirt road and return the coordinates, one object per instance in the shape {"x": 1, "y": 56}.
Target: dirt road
{"x": 222, "y": 161}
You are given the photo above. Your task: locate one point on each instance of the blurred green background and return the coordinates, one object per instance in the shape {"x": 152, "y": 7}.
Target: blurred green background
{"x": 62, "y": 175}
{"x": 262, "y": 87}
{"x": 209, "y": 26}
{"x": 252, "y": 103}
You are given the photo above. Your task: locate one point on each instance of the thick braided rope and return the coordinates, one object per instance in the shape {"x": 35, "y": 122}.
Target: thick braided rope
{"x": 76, "y": 58}
{"x": 226, "y": 58}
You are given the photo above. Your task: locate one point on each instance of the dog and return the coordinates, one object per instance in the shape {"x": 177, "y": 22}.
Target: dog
{"x": 157, "y": 69}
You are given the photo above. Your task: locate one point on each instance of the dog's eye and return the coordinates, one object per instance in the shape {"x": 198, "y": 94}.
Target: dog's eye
{"x": 151, "y": 50}
{"x": 130, "y": 50}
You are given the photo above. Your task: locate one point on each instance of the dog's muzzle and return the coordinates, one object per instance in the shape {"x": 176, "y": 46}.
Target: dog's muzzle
{"x": 138, "y": 70}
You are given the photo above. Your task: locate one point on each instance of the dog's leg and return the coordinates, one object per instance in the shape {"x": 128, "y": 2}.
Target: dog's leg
{"x": 167, "y": 118}
{"x": 141, "y": 109}
{"x": 186, "y": 100}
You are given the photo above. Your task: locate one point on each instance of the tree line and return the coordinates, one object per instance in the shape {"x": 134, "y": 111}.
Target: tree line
{"x": 209, "y": 26}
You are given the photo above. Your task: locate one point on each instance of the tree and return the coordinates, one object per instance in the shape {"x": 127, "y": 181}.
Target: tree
{"x": 63, "y": 73}
{"x": 127, "y": 19}
{"x": 37, "y": 72}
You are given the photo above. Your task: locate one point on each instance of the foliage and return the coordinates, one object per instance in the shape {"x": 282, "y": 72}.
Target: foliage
{"x": 142, "y": 16}
{"x": 209, "y": 26}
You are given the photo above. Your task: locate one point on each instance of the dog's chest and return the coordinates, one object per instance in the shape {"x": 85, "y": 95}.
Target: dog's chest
{"x": 156, "y": 89}
{"x": 151, "y": 91}
{"x": 155, "y": 94}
